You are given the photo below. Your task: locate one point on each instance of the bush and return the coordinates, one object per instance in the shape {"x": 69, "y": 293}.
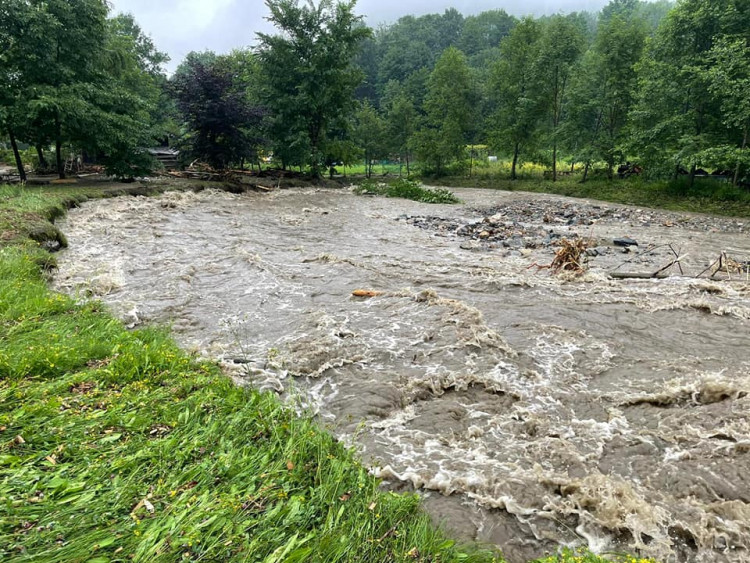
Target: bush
{"x": 406, "y": 189}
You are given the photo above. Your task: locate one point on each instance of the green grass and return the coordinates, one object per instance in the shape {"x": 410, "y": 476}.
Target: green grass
{"x": 377, "y": 170}
{"x": 117, "y": 446}
{"x": 706, "y": 196}
{"x": 406, "y": 189}
{"x": 583, "y": 556}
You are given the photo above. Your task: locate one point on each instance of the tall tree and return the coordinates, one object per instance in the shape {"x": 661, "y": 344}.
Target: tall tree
{"x": 310, "y": 74}
{"x": 450, "y": 105}
{"x": 729, "y": 74}
{"x": 619, "y": 45}
{"x": 514, "y": 91}
{"x": 212, "y": 96}
{"x": 560, "y": 48}
{"x": 73, "y": 34}
{"x": 14, "y": 18}
{"x": 370, "y": 134}
{"x": 401, "y": 119}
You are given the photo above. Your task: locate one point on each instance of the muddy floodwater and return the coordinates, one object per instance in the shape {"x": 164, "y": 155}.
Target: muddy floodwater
{"x": 531, "y": 410}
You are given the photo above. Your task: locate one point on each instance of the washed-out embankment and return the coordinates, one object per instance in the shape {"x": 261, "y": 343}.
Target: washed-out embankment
{"x": 531, "y": 410}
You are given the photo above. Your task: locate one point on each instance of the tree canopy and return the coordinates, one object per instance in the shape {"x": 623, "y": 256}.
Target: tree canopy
{"x": 309, "y": 75}
{"x": 654, "y": 82}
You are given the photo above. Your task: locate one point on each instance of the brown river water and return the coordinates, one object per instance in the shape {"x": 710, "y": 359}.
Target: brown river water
{"x": 530, "y": 410}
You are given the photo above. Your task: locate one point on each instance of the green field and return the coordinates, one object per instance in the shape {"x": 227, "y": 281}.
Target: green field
{"x": 705, "y": 196}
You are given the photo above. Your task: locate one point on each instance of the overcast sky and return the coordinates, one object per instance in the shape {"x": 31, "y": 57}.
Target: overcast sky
{"x": 181, "y": 26}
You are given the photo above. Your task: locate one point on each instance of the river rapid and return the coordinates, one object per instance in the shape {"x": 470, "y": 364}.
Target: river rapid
{"x": 530, "y": 410}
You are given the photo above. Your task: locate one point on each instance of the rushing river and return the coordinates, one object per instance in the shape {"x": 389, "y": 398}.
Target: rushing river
{"x": 530, "y": 410}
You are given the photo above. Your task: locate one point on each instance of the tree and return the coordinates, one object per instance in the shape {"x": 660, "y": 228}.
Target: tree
{"x": 125, "y": 101}
{"x": 559, "y": 49}
{"x": 449, "y": 105}
{"x": 401, "y": 119}
{"x": 415, "y": 43}
{"x": 309, "y": 74}
{"x": 604, "y": 90}
{"x": 64, "y": 44}
{"x": 676, "y": 117}
{"x": 370, "y": 135}
{"x": 14, "y": 17}
{"x": 212, "y": 96}
{"x": 485, "y": 31}
{"x": 514, "y": 92}
{"x": 79, "y": 80}
{"x": 729, "y": 74}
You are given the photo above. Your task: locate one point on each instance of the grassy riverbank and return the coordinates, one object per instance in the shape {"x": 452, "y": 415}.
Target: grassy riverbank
{"x": 706, "y": 196}
{"x": 115, "y": 445}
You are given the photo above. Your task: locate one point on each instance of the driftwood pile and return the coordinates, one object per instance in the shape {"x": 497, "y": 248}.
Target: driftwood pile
{"x": 570, "y": 257}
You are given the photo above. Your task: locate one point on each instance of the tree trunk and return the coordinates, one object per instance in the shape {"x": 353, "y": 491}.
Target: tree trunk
{"x": 58, "y": 147}
{"x": 515, "y": 161}
{"x": 471, "y": 160}
{"x": 40, "y": 153}
{"x": 692, "y": 174}
{"x": 586, "y": 172}
{"x": 554, "y": 162}
{"x": 408, "y": 172}
{"x": 572, "y": 167}
{"x": 736, "y": 179}
{"x": 17, "y": 155}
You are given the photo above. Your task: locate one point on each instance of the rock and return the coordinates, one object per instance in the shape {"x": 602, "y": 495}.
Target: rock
{"x": 592, "y": 252}
{"x": 625, "y": 241}
{"x": 52, "y": 245}
{"x": 484, "y": 234}
{"x": 470, "y": 245}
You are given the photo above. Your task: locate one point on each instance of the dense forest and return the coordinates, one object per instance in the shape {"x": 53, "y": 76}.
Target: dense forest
{"x": 651, "y": 87}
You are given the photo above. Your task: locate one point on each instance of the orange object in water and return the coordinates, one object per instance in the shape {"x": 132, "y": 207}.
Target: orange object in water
{"x": 366, "y": 293}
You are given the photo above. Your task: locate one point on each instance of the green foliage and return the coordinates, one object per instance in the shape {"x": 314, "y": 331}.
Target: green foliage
{"x": 406, "y": 189}
{"x": 79, "y": 81}
{"x": 450, "y": 106}
{"x": 514, "y": 124}
{"x": 585, "y": 556}
{"x": 214, "y": 95}
{"x": 370, "y": 135}
{"x": 677, "y": 117}
{"x": 402, "y": 120}
{"x": 309, "y": 76}
{"x": 704, "y": 195}
{"x": 603, "y": 92}
{"x": 560, "y": 48}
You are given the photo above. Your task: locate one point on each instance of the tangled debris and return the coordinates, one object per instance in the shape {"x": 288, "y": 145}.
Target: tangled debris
{"x": 571, "y": 256}
{"x": 728, "y": 266}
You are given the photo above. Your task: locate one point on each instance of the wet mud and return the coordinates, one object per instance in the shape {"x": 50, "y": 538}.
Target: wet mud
{"x": 530, "y": 410}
